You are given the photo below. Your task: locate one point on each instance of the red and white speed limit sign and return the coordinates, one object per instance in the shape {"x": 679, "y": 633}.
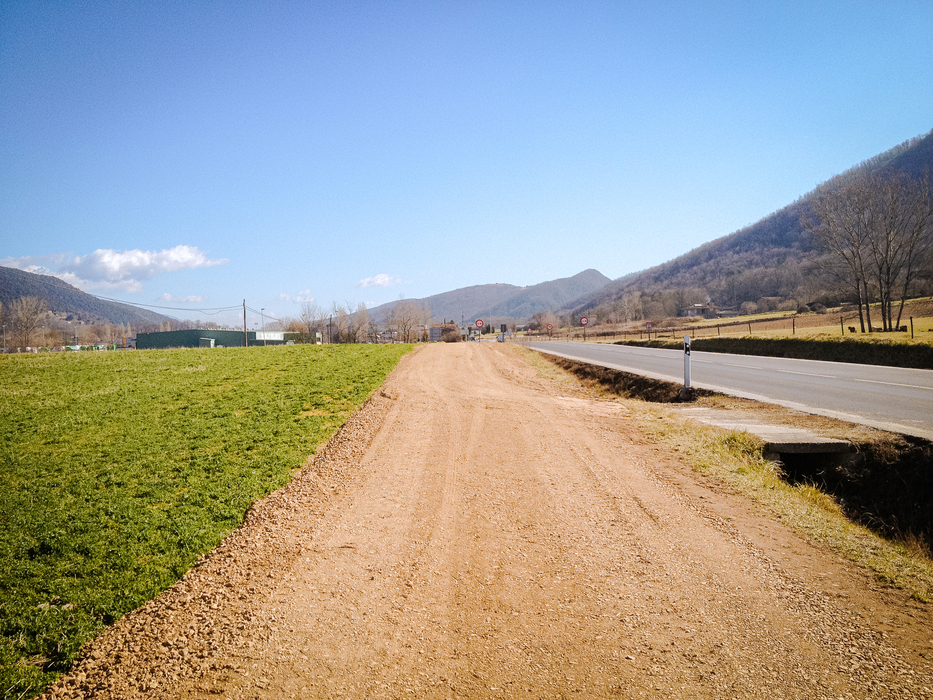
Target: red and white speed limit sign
{"x": 550, "y": 327}
{"x": 584, "y": 321}
{"x": 479, "y": 323}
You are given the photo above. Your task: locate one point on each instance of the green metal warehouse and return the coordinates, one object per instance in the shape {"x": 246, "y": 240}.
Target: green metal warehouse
{"x": 204, "y": 338}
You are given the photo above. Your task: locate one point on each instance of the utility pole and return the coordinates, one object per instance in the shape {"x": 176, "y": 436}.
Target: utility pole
{"x": 263, "y": 315}
{"x": 245, "y": 336}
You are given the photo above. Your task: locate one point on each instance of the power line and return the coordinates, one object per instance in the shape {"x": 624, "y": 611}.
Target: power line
{"x": 171, "y": 308}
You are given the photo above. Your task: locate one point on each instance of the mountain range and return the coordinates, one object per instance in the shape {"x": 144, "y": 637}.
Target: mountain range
{"x": 773, "y": 258}
{"x": 505, "y": 302}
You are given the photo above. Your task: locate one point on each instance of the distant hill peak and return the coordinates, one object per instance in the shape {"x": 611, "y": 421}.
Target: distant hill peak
{"x": 501, "y": 300}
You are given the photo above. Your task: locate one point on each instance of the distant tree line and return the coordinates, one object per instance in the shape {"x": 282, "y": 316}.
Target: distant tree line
{"x": 28, "y": 324}
{"x": 405, "y": 322}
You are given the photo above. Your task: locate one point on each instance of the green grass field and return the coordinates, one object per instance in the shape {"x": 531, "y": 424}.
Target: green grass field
{"x": 120, "y": 468}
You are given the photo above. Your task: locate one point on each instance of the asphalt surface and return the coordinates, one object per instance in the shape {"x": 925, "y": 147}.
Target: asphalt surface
{"x": 889, "y": 398}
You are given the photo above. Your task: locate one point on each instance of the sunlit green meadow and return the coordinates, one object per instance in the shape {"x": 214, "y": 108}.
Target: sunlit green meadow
{"x": 120, "y": 468}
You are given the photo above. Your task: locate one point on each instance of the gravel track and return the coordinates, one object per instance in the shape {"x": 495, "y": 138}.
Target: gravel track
{"x": 476, "y": 531}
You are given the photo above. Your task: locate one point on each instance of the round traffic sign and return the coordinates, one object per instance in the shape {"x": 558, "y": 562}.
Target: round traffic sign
{"x": 479, "y": 323}
{"x": 550, "y": 327}
{"x": 584, "y": 321}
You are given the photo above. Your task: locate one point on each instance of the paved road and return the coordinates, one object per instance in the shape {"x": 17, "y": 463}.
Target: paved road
{"x": 889, "y": 398}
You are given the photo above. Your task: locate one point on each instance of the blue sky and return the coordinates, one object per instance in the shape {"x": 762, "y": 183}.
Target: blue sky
{"x": 197, "y": 154}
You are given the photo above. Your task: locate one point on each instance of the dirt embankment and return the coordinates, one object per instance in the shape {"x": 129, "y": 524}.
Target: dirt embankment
{"x": 477, "y": 532}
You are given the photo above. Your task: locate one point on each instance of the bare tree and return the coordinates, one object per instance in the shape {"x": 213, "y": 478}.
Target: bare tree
{"x": 404, "y": 318}
{"x": 631, "y": 307}
{"x": 87, "y": 335}
{"x": 310, "y": 321}
{"x": 842, "y": 228}
{"x": 27, "y": 314}
{"x": 550, "y": 319}
{"x": 902, "y": 234}
{"x": 880, "y": 225}
{"x": 373, "y": 327}
{"x": 339, "y": 320}
{"x": 105, "y": 332}
{"x": 425, "y": 319}
{"x": 361, "y": 325}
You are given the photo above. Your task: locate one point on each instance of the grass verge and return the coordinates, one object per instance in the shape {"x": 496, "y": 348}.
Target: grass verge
{"x": 735, "y": 458}
{"x": 121, "y": 469}
{"x": 878, "y": 351}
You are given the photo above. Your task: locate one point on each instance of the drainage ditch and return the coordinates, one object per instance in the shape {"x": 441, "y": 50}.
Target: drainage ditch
{"x": 886, "y": 485}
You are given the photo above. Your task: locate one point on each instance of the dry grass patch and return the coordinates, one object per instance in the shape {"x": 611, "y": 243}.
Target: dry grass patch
{"x": 735, "y": 458}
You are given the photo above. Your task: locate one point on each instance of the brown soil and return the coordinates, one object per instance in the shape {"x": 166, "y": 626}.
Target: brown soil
{"x": 476, "y": 531}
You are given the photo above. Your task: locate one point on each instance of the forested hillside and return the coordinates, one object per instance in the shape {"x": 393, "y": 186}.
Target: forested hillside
{"x": 773, "y": 262}
{"x": 62, "y": 298}
{"x": 548, "y": 295}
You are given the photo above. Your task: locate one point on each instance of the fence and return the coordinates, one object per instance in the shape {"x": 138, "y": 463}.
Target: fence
{"x": 746, "y": 327}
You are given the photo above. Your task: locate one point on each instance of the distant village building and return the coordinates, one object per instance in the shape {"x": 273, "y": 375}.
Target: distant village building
{"x": 701, "y": 311}
{"x": 436, "y": 332}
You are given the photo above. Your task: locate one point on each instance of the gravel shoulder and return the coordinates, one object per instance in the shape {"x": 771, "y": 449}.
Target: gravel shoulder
{"x": 477, "y": 531}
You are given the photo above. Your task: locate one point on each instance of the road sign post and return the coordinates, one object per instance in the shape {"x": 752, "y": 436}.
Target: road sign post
{"x": 583, "y": 322}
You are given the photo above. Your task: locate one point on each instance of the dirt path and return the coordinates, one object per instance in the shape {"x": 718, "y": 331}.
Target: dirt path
{"x": 476, "y": 532}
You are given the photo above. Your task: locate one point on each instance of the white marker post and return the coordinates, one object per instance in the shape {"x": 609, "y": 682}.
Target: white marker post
{"x": 686, "y": 391}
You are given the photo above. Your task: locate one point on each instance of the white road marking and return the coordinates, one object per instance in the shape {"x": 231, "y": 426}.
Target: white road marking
{"x": 908, "y": 386}
{"x": 807, "y": 374}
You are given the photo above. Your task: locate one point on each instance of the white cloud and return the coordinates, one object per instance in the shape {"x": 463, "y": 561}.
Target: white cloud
{"x": 114, "y": 265}
{"x": 300, "y": 298}
{"x": 380, "y": 281}
{"x": 109, "y": 270}
{"x": 101, "y": 285}
{"x": 303, "y": 297}
{"x": 193, "y": 299}
{"x": 38, "y": 264}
